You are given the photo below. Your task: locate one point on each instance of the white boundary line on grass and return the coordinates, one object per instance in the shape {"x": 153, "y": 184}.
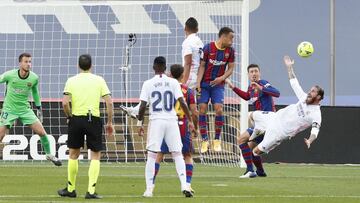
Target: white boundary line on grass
{"x": 196, "y": 196}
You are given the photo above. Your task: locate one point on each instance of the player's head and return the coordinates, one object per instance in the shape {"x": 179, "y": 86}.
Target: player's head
{"x": 25, "y": 62}
{"x": 315, "y": 95}
{"x": 177, "y": 71}
{"x": 253, "y": 72}
{"x": 85, "y": 62}
{"x": 159, "y": 64}
{"x": 226, "y": 36}
{"x": 191, "y": 25}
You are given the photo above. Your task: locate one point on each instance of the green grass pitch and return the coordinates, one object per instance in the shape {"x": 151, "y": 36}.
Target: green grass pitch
{"x": 119, "y": 182}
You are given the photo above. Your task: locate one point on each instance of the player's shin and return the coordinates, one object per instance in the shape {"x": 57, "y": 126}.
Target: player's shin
{"x": 180, "y": 169}
{"x": 150, "y": 169}
{"x": 203, "y": 127}
{"x": 46, "y": 144}
{"x": 157, "y": 168}
{"x": 247, "y": 155}
{"x": 219, "y": 122}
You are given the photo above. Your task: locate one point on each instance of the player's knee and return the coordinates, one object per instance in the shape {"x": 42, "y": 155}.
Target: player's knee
{"x": 176, "y": 154}
{"x": 243, "y": 138}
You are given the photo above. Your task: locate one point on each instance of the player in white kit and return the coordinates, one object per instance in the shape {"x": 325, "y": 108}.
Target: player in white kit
{"x": 287, "y": 122}
{"x": 191, "y": 52}
{"x": 161, "y": 92}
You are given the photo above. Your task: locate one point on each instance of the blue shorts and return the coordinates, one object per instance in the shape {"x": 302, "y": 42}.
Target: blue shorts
{"x": 186, "y": 139}
{"x": 216, "y": 94}
{"x": 258, "y": 139}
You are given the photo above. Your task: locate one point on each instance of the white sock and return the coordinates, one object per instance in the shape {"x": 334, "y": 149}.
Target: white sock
{"x": 150, "y": 169}
{"x": 180, "y": 168}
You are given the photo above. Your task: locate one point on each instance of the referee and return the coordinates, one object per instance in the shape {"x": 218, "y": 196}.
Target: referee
{"x": 84, "y": 90}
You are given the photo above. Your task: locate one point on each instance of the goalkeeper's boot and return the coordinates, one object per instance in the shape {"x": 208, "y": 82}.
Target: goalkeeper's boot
{"x": 204, "y": 146}
{"x": 128, "y": 111}
{"x": 217, "y": 145}
{"x": 53, "y": 159}
{"x": 92, "y": 196}
{"x": 261, "y": 173}
{"x": 249, "y": 174}
{"x": 187, "y": 193}
{"x": 65, "y": 193}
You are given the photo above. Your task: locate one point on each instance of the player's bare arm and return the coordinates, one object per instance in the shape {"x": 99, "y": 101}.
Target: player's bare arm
{"x": 289, "y": 65}
{"x": 187, "y": 67}
{"x": 222, "y": 78}
{"x": 185, "y": 108}
{"x": 141, "y": 115}
{"x": 66, "y": 105}
{"x": 200, "y": 75}
{"x": 109, "y": 112}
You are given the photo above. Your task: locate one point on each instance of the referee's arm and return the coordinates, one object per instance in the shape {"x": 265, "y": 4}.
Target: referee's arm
{"x": 109, "y": 109}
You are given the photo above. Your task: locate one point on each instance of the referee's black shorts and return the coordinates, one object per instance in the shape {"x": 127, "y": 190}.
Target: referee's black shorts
{"x": 79, "y": 126}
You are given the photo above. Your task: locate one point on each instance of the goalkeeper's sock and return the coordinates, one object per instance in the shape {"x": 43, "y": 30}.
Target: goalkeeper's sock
{"x": 45, "y": 143}
{"x": 157, "y": 168}
{"x": 180, "y": 168}
{"x": 219, "y": 122}
{"x": 73, "y": 166}
{"x": 94, "y": 171}
{"x": 203, "y": 127}
{"x": 189, "y": 172}
{"x": 247, "y": 155}
{"x": 258, "y": 162}
{"x": 150, "y": 169}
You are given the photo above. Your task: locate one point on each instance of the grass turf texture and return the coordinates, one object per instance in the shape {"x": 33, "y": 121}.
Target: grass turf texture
{"x": 119, "y": 182}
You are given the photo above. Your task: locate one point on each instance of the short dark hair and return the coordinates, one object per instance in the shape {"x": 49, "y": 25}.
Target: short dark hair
{"x": 225, "y": 31}
{"x": 192, "y": 24}
{"x": 320, "y": 91}
{"x": 176, "y": 70}
{"x": 85, "y": 62}
{"x": 159, "y": 64}
{"x": 253, "y": 66}
{"x": 24, "y": 55}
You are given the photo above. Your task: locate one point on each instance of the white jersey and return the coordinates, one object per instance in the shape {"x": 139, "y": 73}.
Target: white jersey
{"x": 161, "y": 92}
{"x": 298, "y": 117}
{"x": 192, "y": 45}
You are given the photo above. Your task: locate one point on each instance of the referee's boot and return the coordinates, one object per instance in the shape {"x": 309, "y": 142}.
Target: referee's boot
{"x": 92, "y": 196}
{"x": 53, "y": 159}
{"x": 65, "y": 193}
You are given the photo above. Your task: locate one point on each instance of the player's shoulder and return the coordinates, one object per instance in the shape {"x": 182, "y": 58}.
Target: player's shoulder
{"x": 12, "y": 72}
{"x": 263, "y": 82}
{"x": 33, "y": 75}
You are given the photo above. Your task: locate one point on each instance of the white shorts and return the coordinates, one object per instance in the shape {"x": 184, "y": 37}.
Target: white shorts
{"x": 273, "y": 136}
{"x": 161, "y": 129}
{"x": 262, "y": 119}
{"x": 191, "y": 83}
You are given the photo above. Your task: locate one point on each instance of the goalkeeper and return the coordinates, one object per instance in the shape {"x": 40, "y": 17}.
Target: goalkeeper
{"x": 19, "y": 84}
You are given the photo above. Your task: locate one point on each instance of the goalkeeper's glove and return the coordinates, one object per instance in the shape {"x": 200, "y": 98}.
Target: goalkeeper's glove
{"x": 39, "y": 113}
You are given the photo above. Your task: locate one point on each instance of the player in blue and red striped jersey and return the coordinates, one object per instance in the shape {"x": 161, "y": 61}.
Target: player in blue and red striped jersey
{"x": 217, "y": 64}
{"x": 260, "y": 93}
{"x": 177, "y": 72}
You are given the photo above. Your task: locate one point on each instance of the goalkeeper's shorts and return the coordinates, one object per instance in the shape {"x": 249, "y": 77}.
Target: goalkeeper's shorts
{"x": 8, "y": 118}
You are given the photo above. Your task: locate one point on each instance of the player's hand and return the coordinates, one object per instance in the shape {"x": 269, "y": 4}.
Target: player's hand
{"x": 256, "y": 86}
{"x": 141, "y": 131}
{"x": 191, "y": 127}
{"x": 229, "y": 83}
{"x": 198, "y": 91}
{"x": 288, "y": 61}
{"x": 307, "y": 142}
{"x": 195, "y": 133}
{"x": 110, "y": 129}
{"x": 39, "y": 114}
{"x": 217, "y": 81}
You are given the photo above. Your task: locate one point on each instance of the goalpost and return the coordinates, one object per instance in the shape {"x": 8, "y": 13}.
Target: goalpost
{"x": 57, "y": 32}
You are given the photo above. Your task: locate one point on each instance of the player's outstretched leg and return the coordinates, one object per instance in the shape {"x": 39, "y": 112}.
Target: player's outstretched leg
{"x": 38, "y": 128}
{"x": 131, "y": 111}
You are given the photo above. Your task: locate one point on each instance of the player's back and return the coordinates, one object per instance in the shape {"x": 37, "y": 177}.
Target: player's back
{"x": 161, "y": 92}
{"x": 192, "y": 45}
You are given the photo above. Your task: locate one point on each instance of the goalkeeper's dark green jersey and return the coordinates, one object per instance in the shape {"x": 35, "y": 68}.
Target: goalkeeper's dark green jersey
{"x": 18, "y": 91}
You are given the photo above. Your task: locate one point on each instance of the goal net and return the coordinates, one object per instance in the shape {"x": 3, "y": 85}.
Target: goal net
{"x": 57, "y": 32}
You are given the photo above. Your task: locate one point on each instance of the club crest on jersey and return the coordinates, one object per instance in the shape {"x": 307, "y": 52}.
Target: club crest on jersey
{"x": 29, "y": 84}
